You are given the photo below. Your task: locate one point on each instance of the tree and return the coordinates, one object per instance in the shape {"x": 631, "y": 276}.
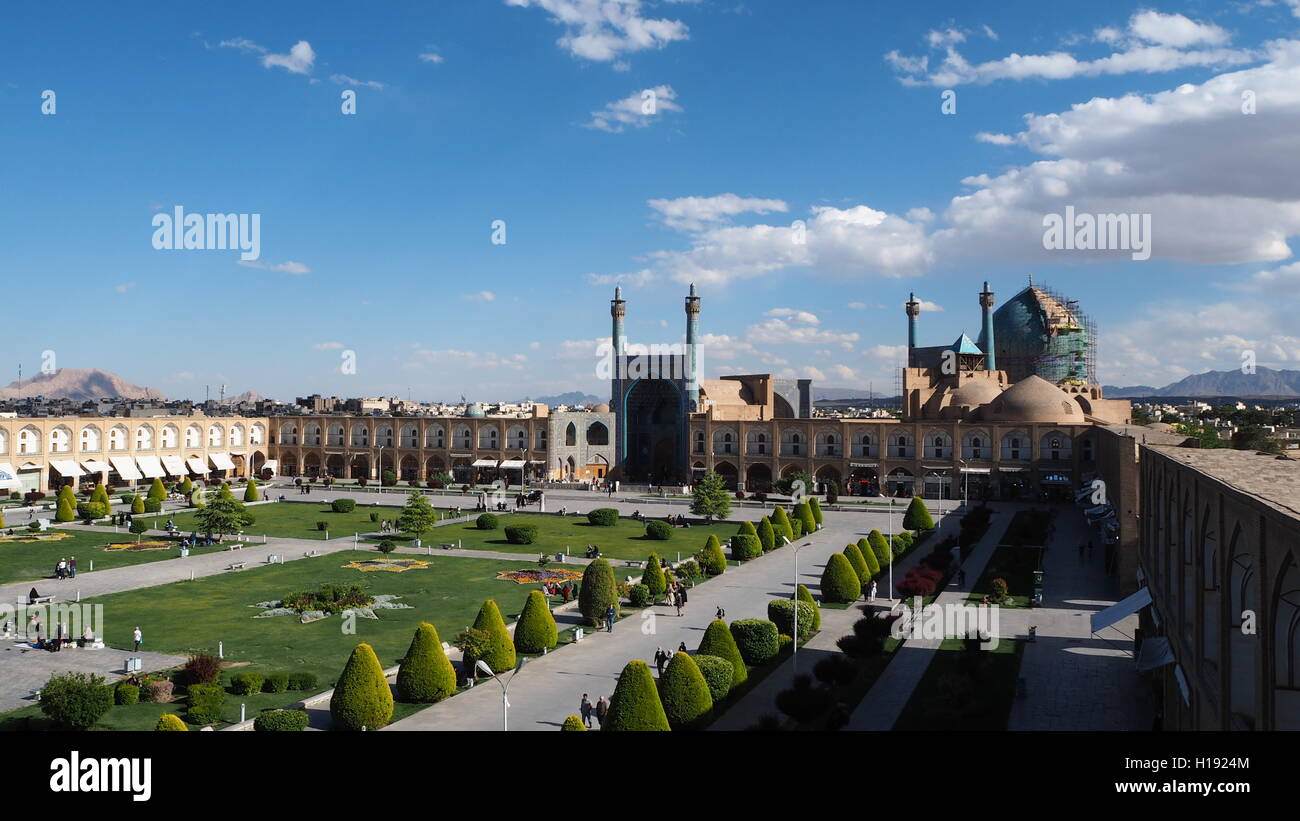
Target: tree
{"x": 597, "y": 592}
{"x": 718, "y": 642}
{"x": 224, "y": 492}
{"x": 840, "y": 582}
{"x": 418, "y": 516}
{"x": 250, "y": 491}
{"x": 881, "y": 548}
{"x": 709, "y": 497}
{"x": 787, "y": 485}
{"x": 635, "y": 705}
{"x": 685, "y": 694}
{"x": 76, "y": 700}
{"x": 223, "y": 516}
{"x": 766, "y": 536}
{"x": 535, "y": 631}
{"x": 66, "y": 510}
{"x": 139, "y": 526}
{"x": 137, "y": 505}
{"x": 745, "y": 547}
{"x": 803, "y": 513}
{"x": 653, "y": 577}
{"x": 425, "y": 674}
{"x": 781, "y": 524}
{"x": 917, "y": 516}
{"x": 100, "y": 494}
{"x": 498, "y": 652}
{"x": 187, "y": 487}
{"x": 803, "y": 595}
{"x": 717, "y": 673}
{"x": 747, "y": 529}
{"x": 1254, "y": 437}
{"x": 859, "y": 563}
{"x": 816, "y": 508}
{"x": 157, "y": 491}
{"x": 361, "y": 697}
{"x": 712, "y": 560}
{"x": 869, "y": 556}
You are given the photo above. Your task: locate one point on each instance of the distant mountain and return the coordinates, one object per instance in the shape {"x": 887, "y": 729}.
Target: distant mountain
{"x": 571, "y": 398}
{"x": 1263, "y": 382}
{"x": 78, "y": 384}
{"x": 246, "y": 396}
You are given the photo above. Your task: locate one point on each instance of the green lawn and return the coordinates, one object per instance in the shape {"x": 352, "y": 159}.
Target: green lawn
{"x": 145, "y": 715}
{"x": 555, "y": 534}
{"x": 295, "y": 520}
{"x": 193, "y": 616}
{"x": 29, "y": 561}
{"x": 965, "y": 689}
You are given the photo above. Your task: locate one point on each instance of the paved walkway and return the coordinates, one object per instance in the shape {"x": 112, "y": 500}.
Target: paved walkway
{"x": 24, "y": 669}
{"x": 550, "y": 688}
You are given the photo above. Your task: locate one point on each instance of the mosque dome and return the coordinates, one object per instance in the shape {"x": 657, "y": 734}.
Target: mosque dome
{"x": 475, "y": 411}
{"x": 603, "y": 407}
{"x": 1033, "y": 399}
{"x": 974, "y": 392}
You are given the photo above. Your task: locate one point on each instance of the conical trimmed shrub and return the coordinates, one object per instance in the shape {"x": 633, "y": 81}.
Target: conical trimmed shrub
{"x": 717, "y": 674}
{"x": 535, "y": 631}
{"x": 157, "y": 491}
{"x": 65, "y": 511}
{"x": 781, "y": 524}
{"x": 635, "y": 705}
{"x": 170, "y": 722}
{"x": 859, "y": 563}
{"x": 802, "y": 594}
{"x": 137, "y": 505}
{"x": 653, "y": 577}
{"x": 868, "y": 555}
{"x": 426, "y": 674}
{"x": 685, "y": 694}
{"x": 499, "y": 653}
{"x": 804, "y": 514}
{"x": 714, "y": 561}
{"x": 361, "y": 697}
{"x": 766, "y": 536}
{"x": 718, "y": 642}
{"x": 100, "y": 494}
{"x": 187, "y": 487}
{"x": 816, "y": 508}
{"x": 840, "y": 582}
{"x": 747, "y": 529}
{"x": 250, "y": 492}
{"x": 224, "y": 492}
{"x": 573, "y": 724}
{"x": 880, "y": 547}
{"x": 597, "y": 593}
{"x": 917, "y": 516}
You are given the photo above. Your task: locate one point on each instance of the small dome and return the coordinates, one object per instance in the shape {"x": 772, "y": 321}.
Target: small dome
{"x": 603, "y": 407}
{"x": 475, "y": 411}
{"x": 975, "y": 392}
{"x": 1033, "y": 399}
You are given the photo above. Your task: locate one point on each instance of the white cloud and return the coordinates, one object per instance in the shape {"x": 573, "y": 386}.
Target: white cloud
{"x": 481, "y": 296}
{"x": 345, "y": 80}
{"x": 798, "y": 316}
{"x": 432, "y": 57}
{"x": 286, "y": 267}
{"x": 995, "y": 139}
{"x": 299, "y": 60}
{"x": 638, "y": 109}
{"x": 927, "y": 305}
{"x": 465, "y": 360}
{"x": 1175, "y": 30}
{"x": 605, "y": 30}
{"x": 778, "y": 331}
{"x": 635, "y": 279}
{"x": 694, "y": 213}
{"x": 857, "y": 306}
{"x": 243, "y": 44}
{"x": 328, "y": 346}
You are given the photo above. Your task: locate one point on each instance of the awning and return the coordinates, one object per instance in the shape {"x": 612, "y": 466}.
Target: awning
{"x": 1155, "y": 653}
{"x": 462, "y": 455}
{"x": 67, "y": 467}
{"x": 271, "y": 465}
{"x": 197, "y": 465}
{"x": 935, "y": 467}
{"x": 513, "y": 463}
{"x": 864, "y": 464}
{"x": 222, "y": 461}
{"x": 976, "y": 470}
{"x": 536, "y": 461}
{"x": 151, "y": 467}
{"x": 175, "y": 465}
{"x": 8, "y": 476}
{"x": 96, "y": 466}
{"x": 484, "y": 463}
{"x": 125, "y": 467}
{"x": 1013, "y": 470}
{"x": 1120, "y": 610}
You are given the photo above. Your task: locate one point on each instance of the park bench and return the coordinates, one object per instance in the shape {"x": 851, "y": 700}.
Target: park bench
{"x": 40, "y": 600}
{"x": 447, "y": 545}
{"x": 633, "y": 563}
{"x": 236, "y": 566}
{"x": 235, "y": 547}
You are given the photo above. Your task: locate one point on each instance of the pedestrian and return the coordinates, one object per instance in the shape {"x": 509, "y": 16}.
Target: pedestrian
{"x": 62, "y": 569}
{"x": 138, "y": 637}
{"x": 602, "y": 709}
{"x": 677, "y": 602}
{"x": 681, "y": 648}
{"x": 72, "y": 567}
{"x": 872, "y": 597}
{"x": 585, "y": 709}
{"x": 609, "y": 619}
{"x": 681, "y": 588}
{"x": 721, "y": 614}
{"x": 659, "y": 660}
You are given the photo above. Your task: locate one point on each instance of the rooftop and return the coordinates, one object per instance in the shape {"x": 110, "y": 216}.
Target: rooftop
{"x": 1274, "y": 481}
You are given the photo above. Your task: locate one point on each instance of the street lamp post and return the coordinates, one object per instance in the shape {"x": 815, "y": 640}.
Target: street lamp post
{"x": 505, "y": 689}
{"x": 795, "y": 606}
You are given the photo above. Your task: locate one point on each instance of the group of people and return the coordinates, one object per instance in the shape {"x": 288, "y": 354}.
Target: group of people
{"x": 567, "y": 591}
{"x": 66, "y": 569}
{"x": 593, "y": 552}
{"x": 386, "y": 526}
{"x": 677, "y": 521}
{"x": 676, "y": 593}
{"x": 662, "y": 657}
{"x": 122, "y": 519}
{"x": 600, "y": 709}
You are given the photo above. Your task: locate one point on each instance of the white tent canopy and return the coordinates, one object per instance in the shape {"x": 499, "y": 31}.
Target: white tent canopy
{"x": 125, "y": 467}
{"x": 513, "y": 463}
{"x": 175, "y": 465}
{"x": 96, "y": 466}
{"x": 484, "y": 463}
{"x": 66, "y": 467}
{"x": 1120, "y": 610}
{"x": 222, "y": 461}
{"x": 8, "y": 476}
{"x": 151, "y": 467}
{"x": 197, "y": 465}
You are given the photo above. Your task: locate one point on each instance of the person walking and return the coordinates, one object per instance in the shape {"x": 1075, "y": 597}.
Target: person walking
{"x": 681, "y": 648}
{"x": 721, "y": 614}
{"x": 871, "y": 597}
{"x": 62, "y": 569}
{"x": 138, "y": 637}
{"x": 659, "y": 661}
{"x": 609, "y": 619}
{"x": 72, "y": 567}
{"x": 677, "y": 602}
{"x": 585, "y": 709}
{"x": 602, "y": 709}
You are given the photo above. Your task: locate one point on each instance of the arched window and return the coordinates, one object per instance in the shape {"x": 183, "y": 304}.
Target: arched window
{"x": 699, "y": 441}
{"x": 571, "y": 435}
{"x": 237, "y": 436}
{"x": 90, "y": 439}
{"x": 257, "y": 434}
{"x": 597, "y": 434}
{"x": 60, "y": 440}
{"x": 171, "y": 437}
{"x": 117, "y": 438}
{"x": 29, "y": 440}
{"x": 360, "y": 436}
{"x": 216, "y": 436}
{"x": 144, "y": 438}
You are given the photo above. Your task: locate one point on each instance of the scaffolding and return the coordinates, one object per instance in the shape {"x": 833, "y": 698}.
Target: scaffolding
{"x": 1041, "y": 332}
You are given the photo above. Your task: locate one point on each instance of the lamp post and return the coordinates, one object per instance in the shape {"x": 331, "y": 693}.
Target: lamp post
{"x": 795, "y": 608}
{"x": 890, "y": 548}
{"x": 505, "y": 689}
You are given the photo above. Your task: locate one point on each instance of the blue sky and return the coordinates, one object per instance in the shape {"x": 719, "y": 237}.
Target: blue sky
{"x": 376, "y": 227}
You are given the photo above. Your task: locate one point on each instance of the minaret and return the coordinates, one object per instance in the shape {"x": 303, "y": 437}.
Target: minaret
{"x": 692, "y": 334}
{"x": 618, "y": 310}
{"x": 913, "y": 311}
{"x": 986, "y": 333}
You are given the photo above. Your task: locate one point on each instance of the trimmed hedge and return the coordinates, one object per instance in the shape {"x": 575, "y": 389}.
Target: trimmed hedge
{"x": 717, "y": 673}
{"x": 276, "y": 683}
{"x": 859, "y": 563}
{"x": 573, "y": 724}
{"x": 917, "y": 516}
{"x": 816, "y": 508}
{"x": 747, "y": 529}
{"x": 804, "y": 514}
{"x": 840, "y": 582}
{"x": 126, "y": 693}
{"x": 281, "y": 721}
{"x": 635, "y": 705}
{"x": 597, "y": 592}
{"x": 361, "y": 696}
{"x": 755, "y": 639}
{"x": 657, "y": 530}
{"x": 536, "y": 630}
{"x": 499, "y": 652}
{"x": 712, "y": 560}
{"x": 684, "y": 694}
{"x": 302, "y": 681}
{"x": 343, "y": 505}
{"x": 718, "y": 642}
{"x": 425, "y": 674}
{"x": 487, "y": 521}
{"x": 781, "y": 613}
{"x": 880, "y": 547}
{"x": 869, "y": 556}
{"x": 653, "y": 577}
{"x": 766, "y": 535}
{"x": 781, "y": 524}
{"x": 521, "y": 534}
{"x": 802, "y": 594}
{"x": 246, "y": 684}
{"x": 796, "y": 527}
{"x": 638, "y": 595}
{"x": 170, "y": 722}
{"x": 745, "y": 547}
{"x": 603, "y": 517}
{"x": 206, "y": 701}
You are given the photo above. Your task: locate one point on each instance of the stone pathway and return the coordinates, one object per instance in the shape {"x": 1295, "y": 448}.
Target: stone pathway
{"x": 24, "y": 669}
